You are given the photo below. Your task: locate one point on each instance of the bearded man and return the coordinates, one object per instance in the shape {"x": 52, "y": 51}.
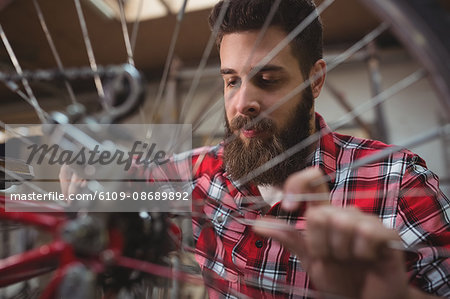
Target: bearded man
{"x": 346, "y": 244}
{"x": 338, "y": 251}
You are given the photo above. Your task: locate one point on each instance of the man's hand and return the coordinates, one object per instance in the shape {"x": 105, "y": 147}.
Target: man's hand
{"x": 344, "y": 251}
{"x": 70, "y": 182}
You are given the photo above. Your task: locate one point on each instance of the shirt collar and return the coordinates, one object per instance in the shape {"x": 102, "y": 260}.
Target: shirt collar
{"x": 326, "y": 151}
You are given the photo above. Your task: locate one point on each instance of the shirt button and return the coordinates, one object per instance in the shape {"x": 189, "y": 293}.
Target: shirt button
{"x": 221, "y": 218}
{"x": 259, "y": 243}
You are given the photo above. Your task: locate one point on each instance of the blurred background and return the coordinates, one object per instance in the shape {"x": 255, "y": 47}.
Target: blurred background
{"x": 151, "y": 25}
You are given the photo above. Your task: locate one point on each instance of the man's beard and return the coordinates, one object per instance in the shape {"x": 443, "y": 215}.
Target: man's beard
{"x": 241, "y": 158}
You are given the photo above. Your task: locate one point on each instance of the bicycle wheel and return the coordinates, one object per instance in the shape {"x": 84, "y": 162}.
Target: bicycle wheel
{"x": 430, "y": 45}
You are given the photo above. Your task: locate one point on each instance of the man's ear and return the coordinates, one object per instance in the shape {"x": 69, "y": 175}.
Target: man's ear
{"x": 317, "y": 77}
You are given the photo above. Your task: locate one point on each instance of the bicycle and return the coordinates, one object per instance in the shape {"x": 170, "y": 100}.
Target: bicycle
{"x": 439, "y": 72}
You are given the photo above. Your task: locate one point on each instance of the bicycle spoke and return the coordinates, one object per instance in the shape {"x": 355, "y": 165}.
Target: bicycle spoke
{"x": 126, "y": 37}
{"x": 415, "y": 141}
{"x": 397, "y": 245}
{"x": 136, "y": 26}
{"x": 290, "y": 37}
{"x": 263, "y": 30}
{"x": 53, "y": 49}
{"x": 218, "y": 104}
{"x": 209, "y": 46}
{"x": 15, "y": 89}
{"x": 31, "y": 99}
{"x": 10, "y": 129}
{"x": 169, "y": 60}
{"x": 90, "y": 51}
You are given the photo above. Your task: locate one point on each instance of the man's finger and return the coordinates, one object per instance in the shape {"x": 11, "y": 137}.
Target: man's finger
{"x": 304, "y": 182}
{"x": 76, "y": 184}
{"x": 371, "y": 237}
{"x": 317, "y": 234}
{"x": 347, "y": 233}
{"x": 65, "y": 177}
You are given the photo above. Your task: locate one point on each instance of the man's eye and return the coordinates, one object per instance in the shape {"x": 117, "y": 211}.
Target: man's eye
{"x": 233, "y": 82}
{"x": 267, "y": 81}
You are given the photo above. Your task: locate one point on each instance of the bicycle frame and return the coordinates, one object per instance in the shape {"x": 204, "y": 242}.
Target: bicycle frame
{"x": 60, "y": 256}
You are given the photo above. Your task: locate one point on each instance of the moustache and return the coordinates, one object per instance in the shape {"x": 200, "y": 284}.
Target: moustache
{"x": 243, "y": 122}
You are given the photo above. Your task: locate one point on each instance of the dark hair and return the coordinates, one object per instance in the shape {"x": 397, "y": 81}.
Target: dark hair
{"x": 243, "y": 15}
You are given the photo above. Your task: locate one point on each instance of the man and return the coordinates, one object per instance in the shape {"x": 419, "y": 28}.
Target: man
{"x": 343, "y": 245}
{"x": 344, "y": 251}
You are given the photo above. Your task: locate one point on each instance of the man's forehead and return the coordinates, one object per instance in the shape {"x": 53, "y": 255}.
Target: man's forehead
{"x": 247, "y": 49}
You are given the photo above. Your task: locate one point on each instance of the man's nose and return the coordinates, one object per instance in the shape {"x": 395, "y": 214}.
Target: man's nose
{"x": 248, "y": 100}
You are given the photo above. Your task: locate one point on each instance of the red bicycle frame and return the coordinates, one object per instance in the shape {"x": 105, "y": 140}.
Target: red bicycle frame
{"x": 59, "y": 255}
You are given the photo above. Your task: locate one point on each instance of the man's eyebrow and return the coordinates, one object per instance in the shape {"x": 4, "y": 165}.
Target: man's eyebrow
{"x": 227, "y": 71}
{"x": 259, "y": 69}
{"x": 268, "y": 68}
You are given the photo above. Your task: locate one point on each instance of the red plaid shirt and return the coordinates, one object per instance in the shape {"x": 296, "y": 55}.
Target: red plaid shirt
{"x": 235, "y": 261}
